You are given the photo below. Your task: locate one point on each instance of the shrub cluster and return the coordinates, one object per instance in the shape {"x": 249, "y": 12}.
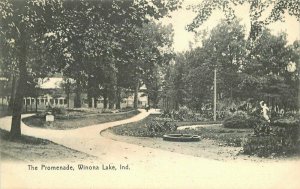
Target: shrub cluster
{"x": 58, "y": 110}
{"x": 241, "y": 119}
{"x": 289, "y": 129}
{"x": 183, "y": 114}
{"x": 265, "y": 146}
{"x": 283, "y": 140}
{"x": 159, "y": 126}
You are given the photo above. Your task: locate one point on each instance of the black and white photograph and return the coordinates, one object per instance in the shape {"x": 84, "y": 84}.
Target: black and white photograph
{"x": 149, "y": 94}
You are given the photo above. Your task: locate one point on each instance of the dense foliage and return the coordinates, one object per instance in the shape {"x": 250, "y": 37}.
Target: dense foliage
{"x": 94, "y": 43}
{"x": 282, "y": 139}
{"x": 242, "y": 78}
{"x": 241, "y": 119}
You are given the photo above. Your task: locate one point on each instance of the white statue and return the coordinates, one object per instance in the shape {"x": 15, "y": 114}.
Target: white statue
{"x": 265, "y": 109}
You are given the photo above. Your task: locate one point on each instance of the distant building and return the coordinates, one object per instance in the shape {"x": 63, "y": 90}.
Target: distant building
{"x": 51, "y": 93}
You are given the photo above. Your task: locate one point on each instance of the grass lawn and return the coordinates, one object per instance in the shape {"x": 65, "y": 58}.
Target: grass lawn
{"x": 29, "y": 149}
{"x": 224, "y": 136}
{"x": 78, "y": 119}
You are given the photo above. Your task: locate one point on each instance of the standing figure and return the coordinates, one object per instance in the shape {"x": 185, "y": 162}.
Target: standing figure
{"x": 265, "y": 109}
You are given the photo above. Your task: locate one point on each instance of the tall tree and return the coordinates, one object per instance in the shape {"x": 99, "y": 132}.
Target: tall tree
{"x": 23, "y": 22}
{"x": 265, "y": 75}
{"x": 257, "y": 13}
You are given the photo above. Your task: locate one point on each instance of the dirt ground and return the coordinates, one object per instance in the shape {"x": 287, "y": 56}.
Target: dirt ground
{"x": 38, "y": 150}
{"x": 204, "y": 148}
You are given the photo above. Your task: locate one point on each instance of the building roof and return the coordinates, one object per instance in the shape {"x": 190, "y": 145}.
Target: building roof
{"x": 51, "y": 83}
{"x": 55, "y": 83}
{"x": 143, "y": 87}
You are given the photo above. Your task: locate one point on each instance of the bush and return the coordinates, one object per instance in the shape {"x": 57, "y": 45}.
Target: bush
{"x": 241, "y": 119}
{"x": 271, "y": 145}
{"x": 158, "y": 126}
{"x": 289, "y": 129}
{"x": 58, "y": 111}
{"x": 284, "y": 139}
{"x": 183, "y": 114}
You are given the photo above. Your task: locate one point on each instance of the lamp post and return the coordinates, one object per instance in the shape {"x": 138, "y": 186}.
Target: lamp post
{"x": 215, "y": 94}
{"x": 215, "y": 85}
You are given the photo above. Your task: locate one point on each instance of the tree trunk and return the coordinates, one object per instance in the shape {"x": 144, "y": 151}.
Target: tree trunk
{"x": 36, "y": 105}
{"x": 68, "y": 91}
{"x": 118, "y": 103}
{"x": 12, "y": 93}
{"x": 15, "y": 131}
{"x": 135, "y": 100}
{"x": 111, "y": 97}
{"x": 111, "y": 105}
{"x": 90, "y": 100}
{"x": 30, "y": 105}
{"x": 105, "y": 99}
{"x": 95, "y": 102}
{"x": 89, "y": 93}
{"x": 68, "y": 99}
{"x": 111, "y": 102}
{"x": 149, "y": 101}
{"x": 77, "y": 100}
{"x": 112, "y": 90}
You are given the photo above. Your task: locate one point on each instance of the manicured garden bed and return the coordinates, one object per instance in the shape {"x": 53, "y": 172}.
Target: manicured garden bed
{"x": 224, "y": 136}
{"x": 77, "y": 119}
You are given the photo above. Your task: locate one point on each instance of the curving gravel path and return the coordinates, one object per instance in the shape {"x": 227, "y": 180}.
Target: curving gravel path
{"x": 149, "y": 168}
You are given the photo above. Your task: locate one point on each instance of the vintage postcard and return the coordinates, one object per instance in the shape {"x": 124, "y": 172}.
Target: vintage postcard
{"x": 150, "y": 94}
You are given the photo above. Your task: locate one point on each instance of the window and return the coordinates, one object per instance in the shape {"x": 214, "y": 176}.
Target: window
{"x": 27, "y": 101}
{"x": 56, "y": 101}
{"x": 42, "y": 101}
{"x": 65, "y": 101}
{"x": 61, "y": 101}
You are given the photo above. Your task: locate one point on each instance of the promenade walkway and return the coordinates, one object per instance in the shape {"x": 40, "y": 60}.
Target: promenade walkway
{"x": 149, "y": 168}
